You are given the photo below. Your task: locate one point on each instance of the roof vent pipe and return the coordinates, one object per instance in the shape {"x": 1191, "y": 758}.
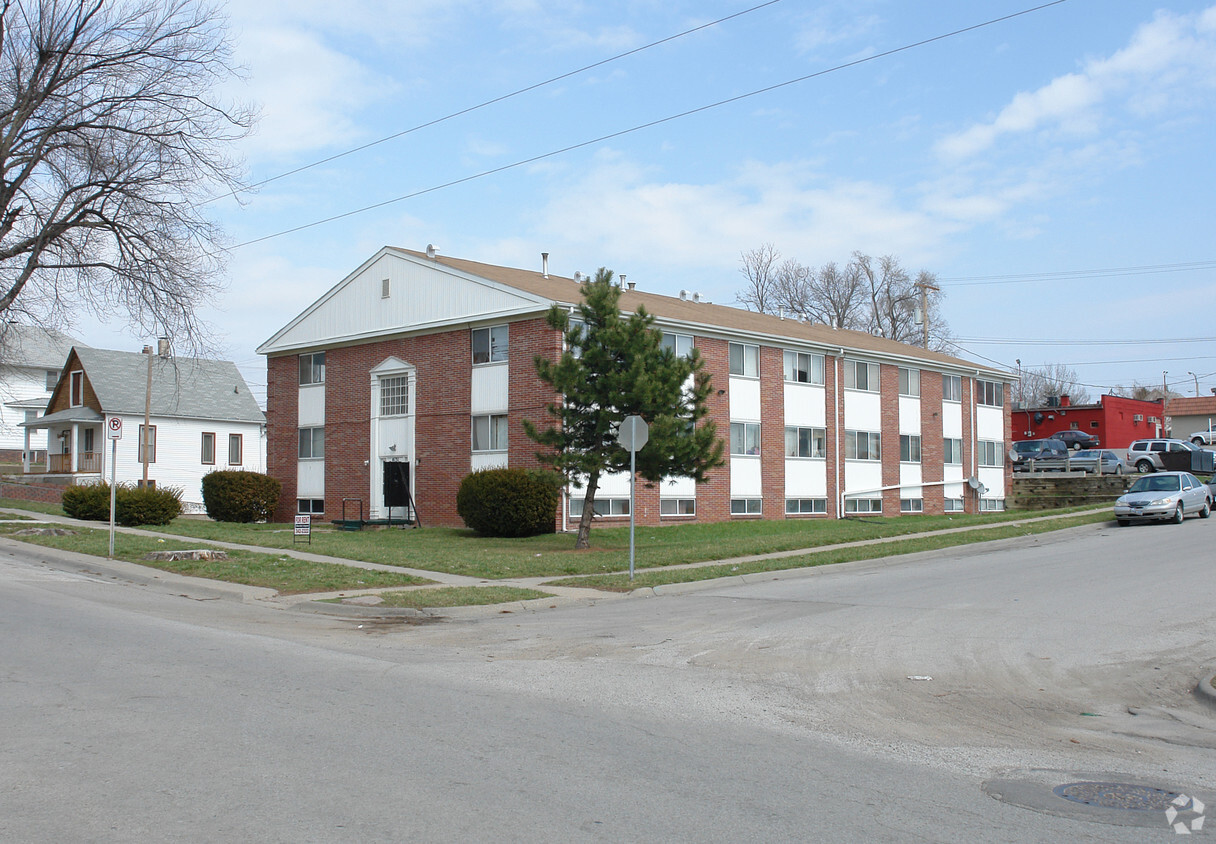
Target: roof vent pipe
{"x": 622, "y": 285}
{"x": 162, "y": 346}
{"x": 544, "y": 264}
{"x": 632, "y": 284}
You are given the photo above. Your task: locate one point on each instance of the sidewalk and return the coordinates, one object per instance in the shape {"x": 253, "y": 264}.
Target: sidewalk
{"x": 562, "y": 595}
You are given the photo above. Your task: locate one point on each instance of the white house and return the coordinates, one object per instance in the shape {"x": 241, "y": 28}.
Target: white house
{"x": 30, "y": 361}
{"x": 202, "y": 417}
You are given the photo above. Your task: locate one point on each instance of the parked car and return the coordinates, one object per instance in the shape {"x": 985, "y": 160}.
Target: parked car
{"x": 1203, "y": 438}
{"x": 1164, "y": 496}
{"x": 1077, "y": 439}
{"x": 1086, "y": 461}
{"x": 1045, "y": 454}
{"x": 1145, "y": 455}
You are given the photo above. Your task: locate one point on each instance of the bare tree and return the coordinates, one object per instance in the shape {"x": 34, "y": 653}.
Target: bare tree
{"x": 111, "y": 143}
{"x": 1040, "y": 384}
{"x": 759, "y": 267}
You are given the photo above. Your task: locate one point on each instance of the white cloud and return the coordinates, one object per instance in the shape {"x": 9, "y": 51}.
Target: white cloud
{"x": 1166, "y": 61}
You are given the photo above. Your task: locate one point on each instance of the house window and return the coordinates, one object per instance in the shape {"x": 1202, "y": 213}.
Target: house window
{"x": 992, "y": 505}
{"x": 805, "y": 506}
{"x": 312, "y": 444}
{"x": 490, "y": 433}
{"x": 990, "y": 452}
{"x": 859, "y": 375}
{"x": 862, "y": 445}
{"x": 88, "y": 441}
{"x": 490, "y": 344}
{"x": 52, "y": 378}
{"x": 76, "y": 388}
{"x": 677, "y": 507}
{"x": 911, "y": 505}
{"x": 953, "y": 505}
{"x": 312, "y": 369}
{"x": 863, "y": 505}
{"x": 745, "y": 360}
{"x": 385, "y": 288}
{"x": 952, "y": 451}
{"x": 909, "y": 382}
{"x": 312, "y": 506}
{"x": 150, "y": 439}
{"x": 208, "y": 457}
{"x": 745, "y": 506}
{"x": 1094, "y": 424}
{"x": 803, "y": 368}
{"x": 601, "y": 506}
{"x": 235, "y": 447}
{"x": 680, "y": 344}
{"x": 745, "y": 438}
{"x": 952, "y": 388}
{"x": 805, "y": 442}
{"x": 991, "y": 393}
{"x": 395, "y": 395}
{"x": 909, "y": 448}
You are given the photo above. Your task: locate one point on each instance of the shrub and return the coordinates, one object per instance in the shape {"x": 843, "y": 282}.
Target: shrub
{"x": 235, "y": 496}
{"x": 90, "y": 502}
{"x": 134, "y": 505}
{"x": 509, "y": 502}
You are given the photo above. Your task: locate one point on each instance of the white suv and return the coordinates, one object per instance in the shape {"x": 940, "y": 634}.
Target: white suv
{"x": 1203, "y": 438}
{"x": 1145, "y": 455}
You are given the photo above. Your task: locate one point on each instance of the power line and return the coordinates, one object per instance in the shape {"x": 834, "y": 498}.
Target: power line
{"x": 1065, "y": 275}
{"x": 648, "y": 125}
{"x": 493, "y": 101}
{"x": 1023, "y": 341}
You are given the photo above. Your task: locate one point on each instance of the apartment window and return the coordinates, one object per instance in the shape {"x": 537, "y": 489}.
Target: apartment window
{"x": 991, "y": 393}
{"x": 601, "y": 506}
{"x": 208, "y": 448}
{"x": 745, "y": 506}
{"x": 990, "y": 453}
{"x": 909, "y": 382}
{"x": 863, "y": 505}
{"x": 490, "y": 433}
{"x": 310, "y": 506}
{"x": 953, "y": 505}
{"x": 151, "y": 442}
{"x": 745, "y": 360}
{"x": 803, "y": 368}
{"x": 911, "y": 505}
{"x": 490, "y": 344}
{"x": 909, "y": 448}
{"x": 52, "y": 378}
{"x": 312, "y": 369}
{"x": 76, "y": 388}
{"x": 312, "y": 444}
{"x": 805, "y": 506}
{"x": 859, "y": 375}
{"x": 862, "y": 445}
{"x": 805, "y": 442}
{"x": 952, "y": 388}
{"x": 952, "y": 451}
{"x": 395, "y": 395}
{"x": 745, "y": 438}
{"x": 677, "y": 507}
{"x": 680, "y": 344}
{"x": 235, "y": 449}
{"x": 578, "y": 330}
{"x": 992, "y": 505}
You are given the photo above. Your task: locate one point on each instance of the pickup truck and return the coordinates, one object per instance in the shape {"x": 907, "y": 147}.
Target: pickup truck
{"x": 1203, "y": 438}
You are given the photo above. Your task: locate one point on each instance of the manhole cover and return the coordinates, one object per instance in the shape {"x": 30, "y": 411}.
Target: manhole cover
{"x": 1117, "y": 795}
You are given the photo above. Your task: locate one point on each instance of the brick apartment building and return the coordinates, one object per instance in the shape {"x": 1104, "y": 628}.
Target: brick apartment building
{"x": 417, "y": 368}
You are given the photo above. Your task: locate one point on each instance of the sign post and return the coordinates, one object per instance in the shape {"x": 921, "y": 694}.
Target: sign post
{"x": 303, "y": 527}
{"x": 632, "y": 435}
{"x": 114, "y": 432}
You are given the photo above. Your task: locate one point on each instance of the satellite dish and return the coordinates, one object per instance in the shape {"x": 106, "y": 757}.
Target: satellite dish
{"x": 974, "y": 482}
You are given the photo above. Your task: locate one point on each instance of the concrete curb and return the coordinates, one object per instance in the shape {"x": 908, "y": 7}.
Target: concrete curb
{"x": 1206, "y": 692}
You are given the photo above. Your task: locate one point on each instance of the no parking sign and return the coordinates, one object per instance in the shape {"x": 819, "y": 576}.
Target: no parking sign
{"x": 114, "y": 428}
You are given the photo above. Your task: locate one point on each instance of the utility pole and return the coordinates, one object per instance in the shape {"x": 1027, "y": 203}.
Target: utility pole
{"x": 147, "y": 436}
{"x": 925, "y": 287}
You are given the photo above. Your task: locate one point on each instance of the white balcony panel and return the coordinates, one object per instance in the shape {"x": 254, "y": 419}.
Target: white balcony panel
{"x": 745, "y": 477}
{"x": 744, "y": 399}
{"x": 909, "y": 415}
{"x": 310, "y": 479}
{"x": 490, "y": 389}
{"x": 862, "y": 411}
{"x": 311, "y": 406}
{"x": 805, "y": 405}
{"x": 806, "y": 478}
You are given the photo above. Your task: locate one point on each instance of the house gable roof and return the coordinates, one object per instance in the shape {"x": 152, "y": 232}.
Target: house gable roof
{"x": 188, "y": 388}
{"x": 33, "y": 346}
{"x": 530, "y": 291}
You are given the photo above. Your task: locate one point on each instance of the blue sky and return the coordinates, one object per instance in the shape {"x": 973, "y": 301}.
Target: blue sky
{"x": 1014, "y": 161}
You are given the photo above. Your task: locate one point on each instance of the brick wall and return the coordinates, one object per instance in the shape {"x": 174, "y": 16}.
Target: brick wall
{"x": 45, "y": 493}
{"x": 932, "y": 444}
{"x": 888, "y": 391}
{"x": 713, "y": 496}
{"x": 282, "y": 429}
{"x": 772, "y": 432}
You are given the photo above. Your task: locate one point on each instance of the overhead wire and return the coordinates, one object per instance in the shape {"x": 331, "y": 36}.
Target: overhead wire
{"x": 650, "y": 124}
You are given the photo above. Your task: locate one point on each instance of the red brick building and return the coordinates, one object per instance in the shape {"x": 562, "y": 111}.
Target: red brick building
{"x": 1114, "y": 420}
{"x": 417, "y": 368}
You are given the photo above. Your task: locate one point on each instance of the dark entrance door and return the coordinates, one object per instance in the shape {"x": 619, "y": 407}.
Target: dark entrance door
{"x": 396, "y": 484}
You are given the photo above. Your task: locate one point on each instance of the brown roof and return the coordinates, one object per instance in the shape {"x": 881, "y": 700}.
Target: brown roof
{"x": 1191, "y": 407}
{"x": 721, "y": 317}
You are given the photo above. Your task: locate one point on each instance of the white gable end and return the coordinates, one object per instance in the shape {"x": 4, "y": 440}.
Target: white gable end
{"x": 420, "y": 296}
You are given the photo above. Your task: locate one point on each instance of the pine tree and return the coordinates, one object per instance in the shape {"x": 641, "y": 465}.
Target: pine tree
{"x": 616, "y": 366}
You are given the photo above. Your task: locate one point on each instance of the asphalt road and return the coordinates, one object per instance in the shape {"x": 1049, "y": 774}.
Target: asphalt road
{"x": 776, "y": 711}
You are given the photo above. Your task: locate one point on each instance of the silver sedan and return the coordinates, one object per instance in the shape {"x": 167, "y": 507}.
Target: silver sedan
{"x": 1164, "y": 496}
{"x": 1085, "y": 461}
